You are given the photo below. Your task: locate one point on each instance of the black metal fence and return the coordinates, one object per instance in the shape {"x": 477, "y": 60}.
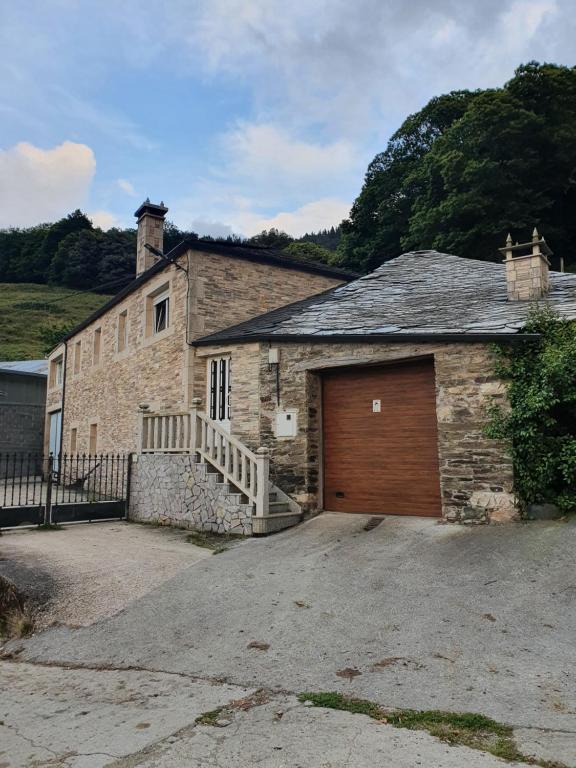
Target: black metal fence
{"x": 40, "y": 489}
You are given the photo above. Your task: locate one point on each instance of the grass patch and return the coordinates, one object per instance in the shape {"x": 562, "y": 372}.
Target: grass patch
{"x": 15, "y": 618}
{"x": 457, "y": 728}
{"x": 217, "y": 542}
{"x": 51, "y": 527}
{"x": 25, "y": 308}
{"x": 211, "y": 717}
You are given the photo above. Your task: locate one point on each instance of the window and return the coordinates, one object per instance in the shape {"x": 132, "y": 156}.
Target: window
{"x": 57, "y": 372}
{"x": 122, "y": 330}
{"x": 96, "y": 346}
{"x": 219, "y": 388}
{"x": 157, "y": 311}
{"x": 161, "y": 313}
{"x": 73, "y": 439}
{"x": 77, "y": 356}
{"x": 93, "y": 439}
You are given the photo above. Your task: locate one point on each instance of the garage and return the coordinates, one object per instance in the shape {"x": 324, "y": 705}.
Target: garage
{"x": 380, "y": 441}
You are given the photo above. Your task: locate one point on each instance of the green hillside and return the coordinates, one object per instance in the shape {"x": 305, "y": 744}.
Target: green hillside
{"x": 26, "y": 308}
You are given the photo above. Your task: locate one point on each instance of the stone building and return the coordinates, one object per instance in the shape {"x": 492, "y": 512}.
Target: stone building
{"x": 136, "y": 351}
{"x": 367, "y": 396}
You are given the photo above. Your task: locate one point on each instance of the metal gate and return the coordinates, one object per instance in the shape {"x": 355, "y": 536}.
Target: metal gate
{"x": 37, "y": 489}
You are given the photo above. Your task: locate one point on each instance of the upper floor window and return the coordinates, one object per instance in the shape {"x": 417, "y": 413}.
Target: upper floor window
{"x": 57, "y": 372}
{"x": 77, "y": 356}
{"x": 96, "y": 350}
{"x": 161, "y": 313}
{"x": 122, "y": 331}
{"x": 157, "y": 308}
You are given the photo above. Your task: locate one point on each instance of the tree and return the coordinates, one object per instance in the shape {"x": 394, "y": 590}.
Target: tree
{"x": 380, "y": 214}
{"x": 77, "y": 261}
{"x": 471, "y": 166}
{"x": 271, "y": 238}
{"x": 74, "y": 222}
{"x": 309, "y": 252}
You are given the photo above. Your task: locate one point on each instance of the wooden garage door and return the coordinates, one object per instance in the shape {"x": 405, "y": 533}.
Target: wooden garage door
{"x": 386, "y": 461}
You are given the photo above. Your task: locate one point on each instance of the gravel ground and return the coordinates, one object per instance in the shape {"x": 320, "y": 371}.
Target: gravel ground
{"x": 82, "y": 573}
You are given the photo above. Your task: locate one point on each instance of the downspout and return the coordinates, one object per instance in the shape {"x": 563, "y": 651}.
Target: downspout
{"x": 63, "y": 396}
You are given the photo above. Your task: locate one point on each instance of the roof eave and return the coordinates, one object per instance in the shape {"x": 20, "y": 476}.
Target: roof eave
{"x": 392, "y": 338}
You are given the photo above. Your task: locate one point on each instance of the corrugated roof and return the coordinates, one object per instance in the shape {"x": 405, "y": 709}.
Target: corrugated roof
{"x": 417, "y": 294}
{"x": 36, "y": 367}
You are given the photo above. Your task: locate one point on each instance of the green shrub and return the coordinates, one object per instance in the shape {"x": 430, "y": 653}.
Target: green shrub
{"x": 540, "y": 426}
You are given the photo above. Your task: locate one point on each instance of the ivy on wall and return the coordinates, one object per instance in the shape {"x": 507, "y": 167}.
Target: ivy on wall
{"x": 540, "y": 425}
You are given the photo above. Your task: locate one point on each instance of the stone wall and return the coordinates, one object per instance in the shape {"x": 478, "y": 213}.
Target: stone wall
{"x": 161, "y": 370}
{"x": 174, "y": 490}
{"x": 475, "y": 472}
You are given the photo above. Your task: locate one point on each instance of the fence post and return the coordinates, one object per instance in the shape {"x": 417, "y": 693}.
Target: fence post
{"x": 48, "y": 507}
{"x": 196, "y": 403}
{"x": 129, "y": 484}
{"x": 262, "y": 472}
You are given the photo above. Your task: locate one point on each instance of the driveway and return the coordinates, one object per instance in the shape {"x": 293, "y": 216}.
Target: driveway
{"x": 408, "y": 614}
{"x": 82, "y": 573}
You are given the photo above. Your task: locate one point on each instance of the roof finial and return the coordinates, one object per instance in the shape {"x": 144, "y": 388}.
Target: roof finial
{"x": 509, "y": 239}
{"x": 535, "y": 235}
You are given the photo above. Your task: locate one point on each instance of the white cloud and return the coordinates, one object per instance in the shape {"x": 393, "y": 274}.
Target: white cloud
{"x": 43, "y": 184}
{"x": 267, "y": 153}
{"x": 319, "y": 214}
{"x": 356, "y": 68}
{"x": 203, "y": 226}
{"x": 104, "y": 219}
{"x": 126, "y": 187}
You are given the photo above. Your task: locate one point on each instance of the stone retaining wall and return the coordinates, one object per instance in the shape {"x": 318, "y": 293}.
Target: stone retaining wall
{"x": 172, "y": 489}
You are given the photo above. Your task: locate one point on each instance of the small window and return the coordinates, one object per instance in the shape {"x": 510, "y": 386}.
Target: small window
{"x": 97, "y": 346}
{"x": 161, "y": 313}
{"x": 77, "y": 356}
{"x": 73, "y": 439}
{"x": 122, "y": 331}
{"x": 57, "y": 372}
{"x": 93, "y": 439}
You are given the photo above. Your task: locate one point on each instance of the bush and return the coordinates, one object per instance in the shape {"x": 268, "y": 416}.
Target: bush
{"x": 540, "y": 425}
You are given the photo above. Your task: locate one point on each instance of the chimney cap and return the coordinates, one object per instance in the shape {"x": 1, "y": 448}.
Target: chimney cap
{"x": 536, "y": 240}
{"x": 152, "y": 209}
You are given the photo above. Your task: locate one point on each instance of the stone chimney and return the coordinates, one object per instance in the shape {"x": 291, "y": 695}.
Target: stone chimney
{"x": 150, "y": 231}
{"x": 527, "y": 268}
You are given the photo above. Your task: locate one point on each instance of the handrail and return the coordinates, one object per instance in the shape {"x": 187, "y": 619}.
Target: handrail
{"x": 195, "y": 432}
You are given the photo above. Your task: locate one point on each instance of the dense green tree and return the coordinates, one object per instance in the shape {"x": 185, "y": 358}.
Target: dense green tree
{"x": 74, "y": 222}
{"x": 76, "y": 263}
{"x": 471, "y": 166}
{"x": 271, "y": 238}
{"x": 307, "y": 251}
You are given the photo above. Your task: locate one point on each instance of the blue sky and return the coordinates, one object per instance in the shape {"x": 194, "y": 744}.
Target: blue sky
{"x": 239, "y": 114}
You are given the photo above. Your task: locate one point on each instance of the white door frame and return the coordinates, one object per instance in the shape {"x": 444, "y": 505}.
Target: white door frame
{"x": 219, "y": 389}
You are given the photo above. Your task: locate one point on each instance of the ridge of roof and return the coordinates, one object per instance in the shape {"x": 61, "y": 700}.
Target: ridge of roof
{"x": 256, "y": 253}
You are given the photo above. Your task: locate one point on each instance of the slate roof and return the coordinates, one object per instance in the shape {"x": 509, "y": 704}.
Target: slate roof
{"x": 30, "y": 367}
{"x": 240, "y": 251}
{"x": 418, "y": 294}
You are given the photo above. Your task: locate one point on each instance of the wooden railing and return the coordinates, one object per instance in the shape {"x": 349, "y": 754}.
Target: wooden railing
{"x": 194, "y": 432}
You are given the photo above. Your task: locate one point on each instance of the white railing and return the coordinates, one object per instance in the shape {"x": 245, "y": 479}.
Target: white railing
{"x": 165, "y": 433}
{"x": 194, "y": 432}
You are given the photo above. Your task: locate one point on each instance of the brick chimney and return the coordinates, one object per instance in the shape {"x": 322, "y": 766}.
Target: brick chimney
{"x": 150, "y": 231}
{"x": 527, "y": 268}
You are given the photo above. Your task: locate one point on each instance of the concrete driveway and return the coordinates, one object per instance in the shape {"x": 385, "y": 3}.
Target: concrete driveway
{"x": 408, "y": 614}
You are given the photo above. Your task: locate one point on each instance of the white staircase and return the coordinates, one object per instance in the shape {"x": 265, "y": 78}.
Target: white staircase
{"x": 239, "y": 474}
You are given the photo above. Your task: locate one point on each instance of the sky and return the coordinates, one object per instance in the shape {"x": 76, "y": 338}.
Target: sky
{"x": 239, "y": 114}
